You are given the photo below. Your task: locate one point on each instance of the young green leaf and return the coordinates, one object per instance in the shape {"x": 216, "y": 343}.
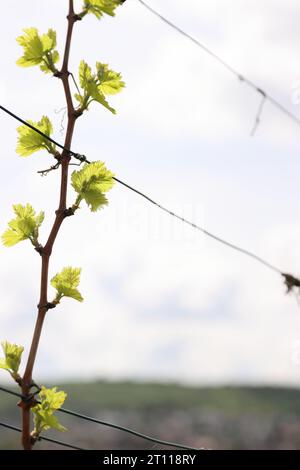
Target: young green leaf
{"x": 12, "y": 358}
{"x": 110, "y": 82}
{"x": 38, "y": 50}
{"x": 91, "y": 182}
{"x": 85, "y": 74}
{"x": 66, "y": 283}
{"x": 25, "y": 226}
{"x": 99, "y": 7}
{"x": 50, "y": 401}
{"x": 97, "y": 85}
{"x": 30, "y": 141}
{"x": 51, "y": 398}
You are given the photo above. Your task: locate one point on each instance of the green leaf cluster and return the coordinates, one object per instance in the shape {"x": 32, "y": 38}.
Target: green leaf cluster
{"x": 100, "y": 7}
{"x": 66, "y": 283}
{"x": 50, "y": 401}
{"x": 29, "y": 141}
{"x": 96, "y": 86}
{"x": 91, "y": 182}
{"x": 39, "y": 50}
{"x": 12, "y": 358}
{"x": 25, "y": 226}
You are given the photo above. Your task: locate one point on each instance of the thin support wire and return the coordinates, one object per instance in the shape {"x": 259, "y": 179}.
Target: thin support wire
{"x": 75, "y": 83}
{"x": 201, "y": 229}
{"x": 110, "y": 425}
{"x": 258, "y": 116}
{"x": 127, "y": 430}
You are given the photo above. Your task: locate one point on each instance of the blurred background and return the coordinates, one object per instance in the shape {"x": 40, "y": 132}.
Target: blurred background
{"x": 178, "y": 336}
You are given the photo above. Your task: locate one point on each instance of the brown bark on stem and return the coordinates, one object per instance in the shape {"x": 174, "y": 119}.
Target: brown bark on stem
{"x": 47, "y": 250}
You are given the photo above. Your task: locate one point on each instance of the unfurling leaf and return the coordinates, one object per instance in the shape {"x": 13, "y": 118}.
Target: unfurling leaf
{"x": 25, "y": 226}
{"x": 50, "y": 401}
{"x": 91, "y": 182}
{"x": 66, "y": 283}
{"x": 99, "y": 7}
{"x": 29, "y": 141}
{"x": 39, "y": 50}
{"x": 85, "y": 74}
{"x": 97, "y": 85}
{"x": 12, "y": 358}
{"x": 110, "y": 82}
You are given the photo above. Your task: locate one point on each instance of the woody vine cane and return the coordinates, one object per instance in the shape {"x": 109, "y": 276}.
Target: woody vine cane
{"x": 90, "y": 183}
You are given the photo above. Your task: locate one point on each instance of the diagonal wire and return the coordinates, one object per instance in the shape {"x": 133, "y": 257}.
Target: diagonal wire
{"x": 127, "y": 430}
{"x": 290, "y": 280}
{"x": 10, "y": 392}
{"x": 225, "y": 64}
{"x": 48, "y": 439}
{"x": 204, "y": 231}
{"x": 32, "y": 127}
{"x": 110, "y": 425}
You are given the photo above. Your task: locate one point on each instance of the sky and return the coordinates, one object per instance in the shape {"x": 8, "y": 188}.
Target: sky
{"x": 162, "y": 302}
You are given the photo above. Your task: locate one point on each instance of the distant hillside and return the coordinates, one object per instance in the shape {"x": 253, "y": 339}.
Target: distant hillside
{"x": 215, "y": 417}
{"x": 150, "y": 395}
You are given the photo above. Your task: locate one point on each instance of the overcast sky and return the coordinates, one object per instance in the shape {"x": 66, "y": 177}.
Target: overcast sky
{"x": 161, "y": 301}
